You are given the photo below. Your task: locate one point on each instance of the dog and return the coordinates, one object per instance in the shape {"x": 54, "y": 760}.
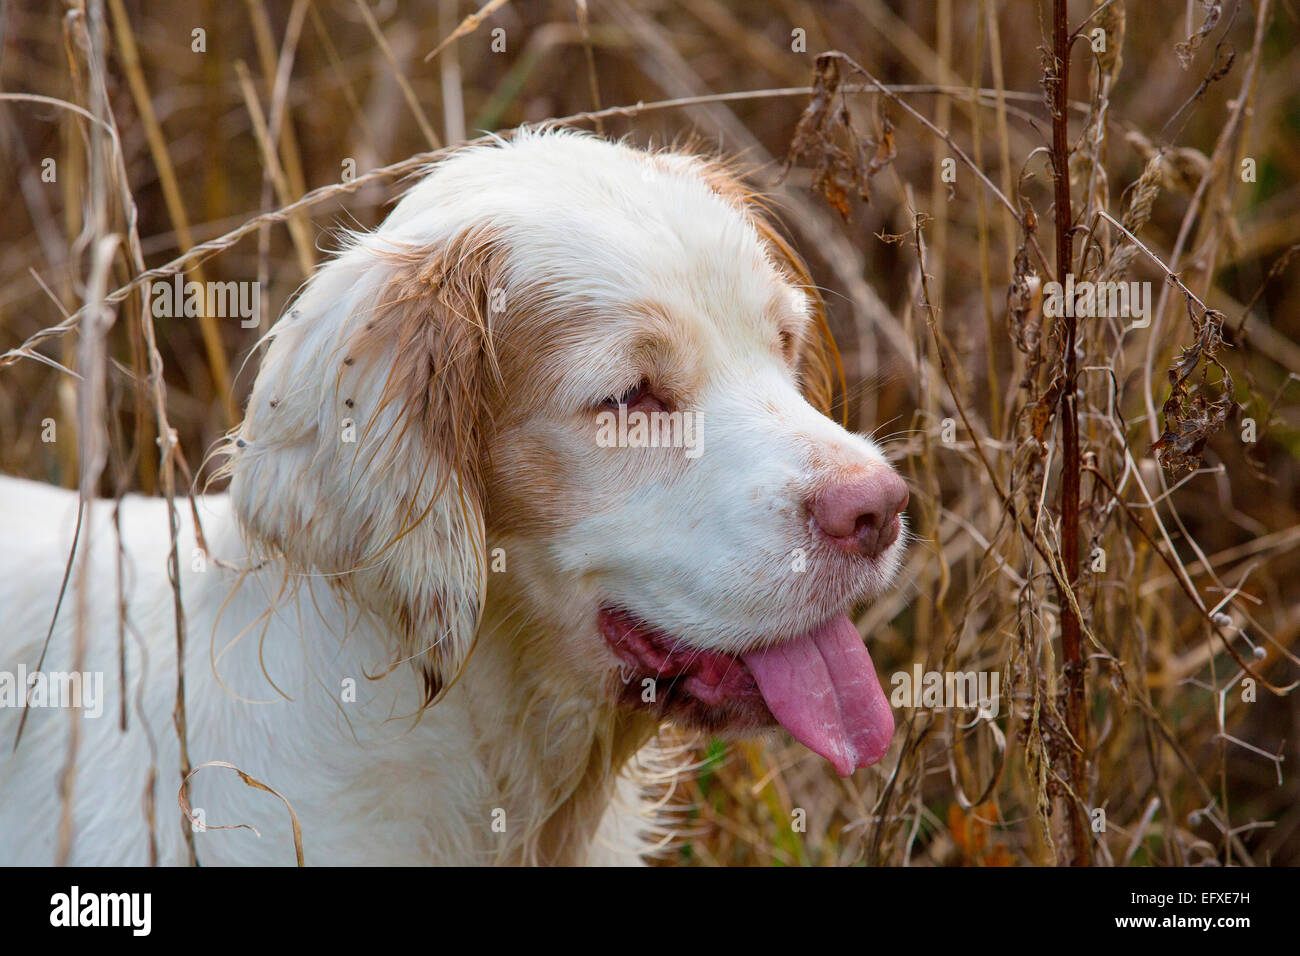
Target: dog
{"x": 539, "y": 465}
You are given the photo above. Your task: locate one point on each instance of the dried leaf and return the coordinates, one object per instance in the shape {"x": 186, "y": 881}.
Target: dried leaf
{"x": 1025, "y": 312}
{"x": 1194, "y": 413}
{"x": 886, "y": 152}
{"x": 1187, "y": 49}
{"x": 838, "y": 169}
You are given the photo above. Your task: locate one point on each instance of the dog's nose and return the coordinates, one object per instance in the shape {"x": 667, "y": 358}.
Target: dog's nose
{"x": 861, "y": 515}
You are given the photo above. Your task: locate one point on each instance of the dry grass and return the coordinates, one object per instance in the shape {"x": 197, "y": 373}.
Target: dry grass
{"x": 1124, "y": 689}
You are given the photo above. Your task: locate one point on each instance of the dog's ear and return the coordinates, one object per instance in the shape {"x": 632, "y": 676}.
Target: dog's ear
{"x": 360, "y": 457}
{"x": 820, "y": 368}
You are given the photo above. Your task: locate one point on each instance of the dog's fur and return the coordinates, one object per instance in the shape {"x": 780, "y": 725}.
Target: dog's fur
{"x": 418, "y": 511}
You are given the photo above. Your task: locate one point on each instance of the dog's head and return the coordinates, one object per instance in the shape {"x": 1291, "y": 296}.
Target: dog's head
{"x": 589, "y": 382}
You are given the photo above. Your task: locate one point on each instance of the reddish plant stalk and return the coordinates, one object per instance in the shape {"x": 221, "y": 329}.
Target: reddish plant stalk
{"x": 1071, "y": 627}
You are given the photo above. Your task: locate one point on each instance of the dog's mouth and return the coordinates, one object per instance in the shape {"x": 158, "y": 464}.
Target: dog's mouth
{"x": 820, "y": 686}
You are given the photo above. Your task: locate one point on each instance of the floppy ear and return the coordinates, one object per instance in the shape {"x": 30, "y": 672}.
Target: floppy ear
{"x": 820, "y": 368}
{"x": 360, "y": 453}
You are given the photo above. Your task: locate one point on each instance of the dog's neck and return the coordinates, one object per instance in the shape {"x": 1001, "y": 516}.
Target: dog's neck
{"x": 528, "y": 758}
{"x": 558, "y": 745}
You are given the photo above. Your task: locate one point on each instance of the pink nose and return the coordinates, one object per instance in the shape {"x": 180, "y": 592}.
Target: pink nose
{"x": 861, "y": 515}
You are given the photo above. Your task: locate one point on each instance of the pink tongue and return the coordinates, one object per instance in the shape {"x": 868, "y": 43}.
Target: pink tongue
{"x": 823, "y": 688}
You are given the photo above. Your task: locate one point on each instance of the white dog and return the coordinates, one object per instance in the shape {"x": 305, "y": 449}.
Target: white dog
{"x": 536, "y": 466}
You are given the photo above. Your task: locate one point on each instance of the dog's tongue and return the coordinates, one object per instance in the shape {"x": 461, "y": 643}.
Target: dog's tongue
{"x": 823, "y": 688}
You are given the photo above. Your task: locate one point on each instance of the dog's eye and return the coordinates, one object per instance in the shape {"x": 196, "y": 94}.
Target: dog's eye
{"x": 630, "y": 397}
{"x": 638, "y": 396}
